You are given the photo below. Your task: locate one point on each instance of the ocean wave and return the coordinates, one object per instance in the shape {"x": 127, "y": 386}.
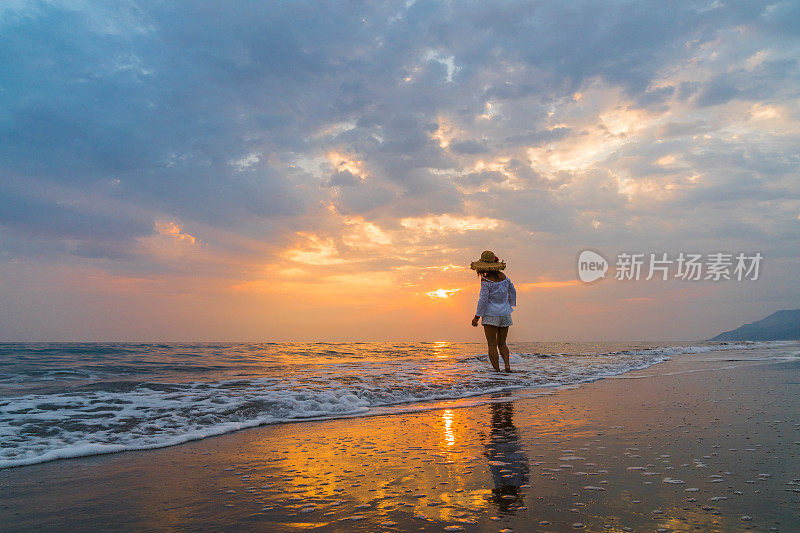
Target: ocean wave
{"x": 125, "y": 414}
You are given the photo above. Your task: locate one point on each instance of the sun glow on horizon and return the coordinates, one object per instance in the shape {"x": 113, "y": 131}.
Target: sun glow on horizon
{"x": 441, "y": 293}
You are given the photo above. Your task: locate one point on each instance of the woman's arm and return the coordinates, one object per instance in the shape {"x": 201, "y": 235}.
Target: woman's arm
{"x": 483, "y": 298}
{"x": 512, "y": 294}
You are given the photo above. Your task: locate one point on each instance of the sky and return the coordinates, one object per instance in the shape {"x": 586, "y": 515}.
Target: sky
{"x": 326, "y": 171}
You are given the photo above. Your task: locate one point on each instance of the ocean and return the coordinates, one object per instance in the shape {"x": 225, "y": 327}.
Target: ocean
{"x": 60, "y": 400}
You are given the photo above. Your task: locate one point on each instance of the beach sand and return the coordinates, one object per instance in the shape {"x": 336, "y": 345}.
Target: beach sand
{"x": 707, "y": 442}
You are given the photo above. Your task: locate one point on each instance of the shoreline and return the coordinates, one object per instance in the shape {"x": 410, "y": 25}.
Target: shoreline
{"x": 482, "y": 467}
{"x": 508, "y": 385}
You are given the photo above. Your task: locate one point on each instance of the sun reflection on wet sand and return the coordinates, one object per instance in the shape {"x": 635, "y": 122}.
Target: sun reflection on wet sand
{"x": 447, "y": 418}
{"x": 646, "y": 462}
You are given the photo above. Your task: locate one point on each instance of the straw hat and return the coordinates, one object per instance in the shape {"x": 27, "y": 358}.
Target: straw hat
{"x": 488, "y": 261}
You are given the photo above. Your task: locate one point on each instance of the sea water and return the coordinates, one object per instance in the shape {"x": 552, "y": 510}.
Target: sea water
{"x": 60, "y": 400}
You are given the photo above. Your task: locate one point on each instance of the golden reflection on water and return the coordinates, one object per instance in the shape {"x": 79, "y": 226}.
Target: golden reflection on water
{"x": 447, "y": 418}
{"x": 441, "y": 349}
{"x": 449, "y": 464}
{"x": 554, "y": 457}
{"x": 430, "y": 465}
{"x": 457, "y": 466}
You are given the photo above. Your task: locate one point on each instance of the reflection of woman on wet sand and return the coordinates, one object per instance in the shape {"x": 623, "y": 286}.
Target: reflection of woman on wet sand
{"x": 495, "y": 305}
{"x": 507, "y": 461}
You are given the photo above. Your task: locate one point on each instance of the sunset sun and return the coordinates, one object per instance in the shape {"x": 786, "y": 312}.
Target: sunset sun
{"x": 442, "y": 293}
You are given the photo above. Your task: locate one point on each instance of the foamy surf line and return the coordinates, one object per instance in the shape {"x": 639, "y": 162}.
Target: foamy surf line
{"x": 79, "y": 423}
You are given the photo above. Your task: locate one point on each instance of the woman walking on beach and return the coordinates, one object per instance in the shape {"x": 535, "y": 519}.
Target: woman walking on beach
{"x": 495, "y": 305}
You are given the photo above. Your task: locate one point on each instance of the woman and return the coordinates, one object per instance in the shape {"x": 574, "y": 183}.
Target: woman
{"x": 495, "y": 303}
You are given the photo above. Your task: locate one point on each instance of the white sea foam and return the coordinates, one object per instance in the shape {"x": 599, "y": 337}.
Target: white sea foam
{"x": 115, "y": 414}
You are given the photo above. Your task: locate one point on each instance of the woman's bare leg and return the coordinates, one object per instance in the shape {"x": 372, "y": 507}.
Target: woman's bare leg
{"x": 502, "y": 333}
{"x": 491, "y": 341}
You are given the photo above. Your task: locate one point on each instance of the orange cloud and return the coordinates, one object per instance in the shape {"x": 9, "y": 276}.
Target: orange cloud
{"x": 315, "y": 251}
{"x": 448, "y": 224}
{"x": 170, "y": 242}
{"x": 547, "y": 285}
{"x": 174, "y": 230}
{"x": 343, "y": 162}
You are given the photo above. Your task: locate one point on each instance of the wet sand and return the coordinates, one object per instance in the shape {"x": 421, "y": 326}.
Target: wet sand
{"x": 705, "y": 442}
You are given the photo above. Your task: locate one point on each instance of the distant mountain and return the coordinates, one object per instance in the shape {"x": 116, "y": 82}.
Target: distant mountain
{"x": 779, "y": 326}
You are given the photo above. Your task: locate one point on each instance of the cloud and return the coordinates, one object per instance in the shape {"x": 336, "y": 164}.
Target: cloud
{"x": 44, "y": 219}
{"x": 265, "y": 132}
{"x": 469, "y": 147}
{"x": 680, "y": 129}
{"x": 719, "y": 90}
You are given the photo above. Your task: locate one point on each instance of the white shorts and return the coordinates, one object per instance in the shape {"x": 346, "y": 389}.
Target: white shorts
{"x": 499, "y": 321}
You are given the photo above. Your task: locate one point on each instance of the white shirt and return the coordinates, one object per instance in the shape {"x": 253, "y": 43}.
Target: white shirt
{"x": 496, "y": 298}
